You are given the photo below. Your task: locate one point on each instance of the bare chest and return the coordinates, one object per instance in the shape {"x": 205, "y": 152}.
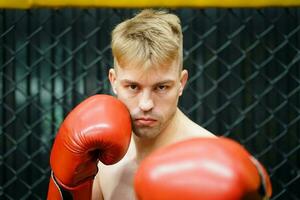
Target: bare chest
{"x": 118, "y": 180}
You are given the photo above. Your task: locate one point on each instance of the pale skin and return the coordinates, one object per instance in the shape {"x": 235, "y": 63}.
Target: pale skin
{"x": 151, "y": 96}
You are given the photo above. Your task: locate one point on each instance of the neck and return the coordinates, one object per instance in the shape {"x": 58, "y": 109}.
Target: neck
{"x": 144, "y": 146}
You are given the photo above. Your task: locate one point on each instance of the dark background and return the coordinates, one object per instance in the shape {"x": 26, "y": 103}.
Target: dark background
{"x": 244, "y": 84}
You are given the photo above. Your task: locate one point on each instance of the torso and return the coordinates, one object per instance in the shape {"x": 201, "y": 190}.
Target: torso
{"x": 117, "y": 180}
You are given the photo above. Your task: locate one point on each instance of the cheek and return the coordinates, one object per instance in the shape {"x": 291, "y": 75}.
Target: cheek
{"x": 129, "y": 102}
{"x": 167, "y": 105}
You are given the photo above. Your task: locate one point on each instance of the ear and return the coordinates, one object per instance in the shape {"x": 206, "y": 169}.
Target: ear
{"x": 112, "y": 76}
{"x": 183, "y": 79}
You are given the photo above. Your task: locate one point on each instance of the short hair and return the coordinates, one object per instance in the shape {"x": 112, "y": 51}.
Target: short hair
{"x": 153, "y": 36}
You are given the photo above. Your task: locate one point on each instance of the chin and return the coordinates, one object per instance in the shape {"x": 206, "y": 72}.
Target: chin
{"x": 146, "y": 133}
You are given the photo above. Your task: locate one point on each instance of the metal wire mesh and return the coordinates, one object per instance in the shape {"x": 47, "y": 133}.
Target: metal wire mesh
{"x": 244, "y": 83}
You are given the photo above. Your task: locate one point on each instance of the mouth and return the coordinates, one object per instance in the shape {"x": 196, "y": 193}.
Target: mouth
{"x": 144, "y": 121}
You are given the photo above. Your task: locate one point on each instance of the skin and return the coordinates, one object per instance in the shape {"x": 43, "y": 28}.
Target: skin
{"x": 151, "y": 95}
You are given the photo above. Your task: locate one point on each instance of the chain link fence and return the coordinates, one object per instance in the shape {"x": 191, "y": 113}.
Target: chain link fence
{"x": 244, "y": 84}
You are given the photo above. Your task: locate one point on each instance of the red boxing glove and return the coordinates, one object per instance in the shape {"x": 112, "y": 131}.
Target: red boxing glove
{"x": 99, "y": 128}
{"x": 202, "y": 168}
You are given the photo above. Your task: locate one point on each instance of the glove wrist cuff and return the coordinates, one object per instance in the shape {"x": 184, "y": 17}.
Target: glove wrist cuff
{"x": 72, "y": 193}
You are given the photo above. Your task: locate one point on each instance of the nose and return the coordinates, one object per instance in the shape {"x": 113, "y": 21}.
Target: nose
{"x": 146, "y": 102}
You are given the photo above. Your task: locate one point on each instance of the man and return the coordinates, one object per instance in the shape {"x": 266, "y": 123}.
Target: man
{"x": 148, "y": 78}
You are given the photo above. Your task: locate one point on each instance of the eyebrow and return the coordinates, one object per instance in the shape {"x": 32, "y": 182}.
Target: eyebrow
{"x": 165, "y": 82}
{"x": 168, "y": 81}
{"x": 127, "y": 81}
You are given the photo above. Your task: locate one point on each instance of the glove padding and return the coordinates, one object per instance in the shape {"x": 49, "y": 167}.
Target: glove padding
{"x": 202, "y": 168}
{"x": 99, "y": 128}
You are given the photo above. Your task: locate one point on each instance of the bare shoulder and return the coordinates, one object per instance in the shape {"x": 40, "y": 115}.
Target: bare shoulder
{"x": 199, "y": 131}
{"x": 192, "y": 129}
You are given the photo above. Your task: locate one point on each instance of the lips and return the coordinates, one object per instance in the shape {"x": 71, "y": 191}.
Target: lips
{"x": 144, "y": 121}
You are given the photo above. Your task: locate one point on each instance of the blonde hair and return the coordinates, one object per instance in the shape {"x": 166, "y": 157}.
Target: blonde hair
{"x": 152, "y": 37}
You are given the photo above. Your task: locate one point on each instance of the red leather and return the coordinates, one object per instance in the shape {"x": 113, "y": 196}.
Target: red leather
{"x": 200, "y": 168}
{"x": 99, "y": 128}
{"x": 83, "y": 191}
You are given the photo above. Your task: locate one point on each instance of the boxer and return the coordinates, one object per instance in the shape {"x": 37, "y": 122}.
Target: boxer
{"x": 148, "y": 77}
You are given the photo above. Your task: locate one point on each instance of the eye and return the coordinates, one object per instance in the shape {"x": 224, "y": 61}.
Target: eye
{"x": 132, "y": 87}
{"x": 162, "y": 88}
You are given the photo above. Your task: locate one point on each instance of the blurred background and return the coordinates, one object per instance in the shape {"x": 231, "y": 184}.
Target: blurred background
{"x": 244, "y": 67}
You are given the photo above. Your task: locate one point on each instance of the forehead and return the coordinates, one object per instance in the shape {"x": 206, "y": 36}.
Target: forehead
{"x": 149, "y": 74}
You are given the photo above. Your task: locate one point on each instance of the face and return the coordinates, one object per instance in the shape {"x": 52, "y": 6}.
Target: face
{"x": 150, "y": 95}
